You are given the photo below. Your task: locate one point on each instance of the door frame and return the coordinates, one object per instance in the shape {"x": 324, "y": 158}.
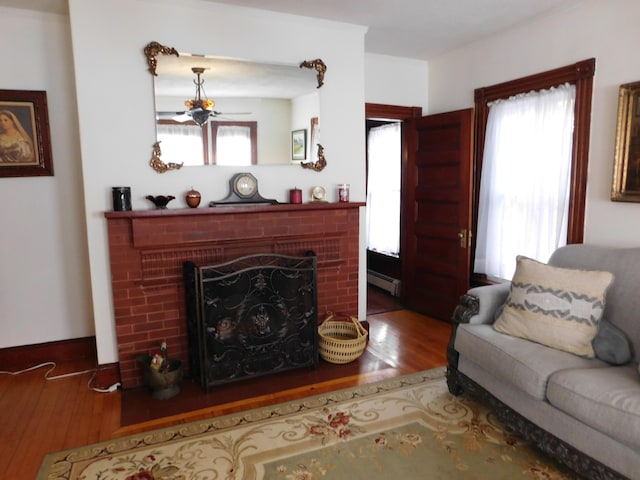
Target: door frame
{"x": 379, "y": 111}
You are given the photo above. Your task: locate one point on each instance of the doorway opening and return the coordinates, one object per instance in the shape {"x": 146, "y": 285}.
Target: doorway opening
{"x": 386, "y": 155}
{"x": 384, "y": 151}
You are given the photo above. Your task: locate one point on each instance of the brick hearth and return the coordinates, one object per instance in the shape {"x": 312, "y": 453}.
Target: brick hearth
{"x": 147, "y": 249}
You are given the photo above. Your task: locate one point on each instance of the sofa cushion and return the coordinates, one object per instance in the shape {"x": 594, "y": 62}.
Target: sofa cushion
{"x": 557, "y": 307}
{"x": 525, "y": 365}
{"x": 607, "y": 399}
{"x": 623, "y": 300}
{"x": 611, "y": 344}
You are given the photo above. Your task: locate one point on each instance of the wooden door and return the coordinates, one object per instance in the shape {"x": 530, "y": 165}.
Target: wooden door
{"x": 437, "y": 212}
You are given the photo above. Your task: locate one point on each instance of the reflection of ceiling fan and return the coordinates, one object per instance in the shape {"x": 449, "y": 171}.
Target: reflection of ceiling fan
{"x": 197, "y": 114}
{"x": 200, "y": 108}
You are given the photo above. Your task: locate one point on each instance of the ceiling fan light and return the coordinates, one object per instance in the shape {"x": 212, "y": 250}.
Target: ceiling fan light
{"x": 200, "y": 106}
{"x": 205, "y": 104}
{"x": 200, "y": 116}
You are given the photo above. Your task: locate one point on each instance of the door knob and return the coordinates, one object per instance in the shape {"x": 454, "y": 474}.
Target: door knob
{"x": 462, "y": 236}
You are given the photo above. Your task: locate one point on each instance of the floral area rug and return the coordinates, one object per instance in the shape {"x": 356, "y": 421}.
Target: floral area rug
{"x": 404, "y": 428}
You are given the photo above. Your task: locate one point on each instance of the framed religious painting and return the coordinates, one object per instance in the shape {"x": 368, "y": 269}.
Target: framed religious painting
{"x": 626, "y": 169}
{"x": 25, "y": 141}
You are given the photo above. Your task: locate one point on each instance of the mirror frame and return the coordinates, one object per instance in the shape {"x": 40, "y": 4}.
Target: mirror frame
{"x": 153, "y": 49}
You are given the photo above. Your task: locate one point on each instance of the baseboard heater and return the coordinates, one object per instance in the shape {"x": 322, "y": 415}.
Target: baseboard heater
{"x": 385, "y": 282}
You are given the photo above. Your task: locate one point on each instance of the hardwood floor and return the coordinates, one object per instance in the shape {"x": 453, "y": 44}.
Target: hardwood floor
{"x": 379, "y": 301}
{"x": 39, "y": 416}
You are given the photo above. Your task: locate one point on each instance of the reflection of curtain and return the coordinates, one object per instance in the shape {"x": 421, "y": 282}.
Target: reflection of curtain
{"x": 233, "y": 145}
{"x": 383, "y": 189}
{"x": 524, "y": 191}
{"x": 181, "y": 143}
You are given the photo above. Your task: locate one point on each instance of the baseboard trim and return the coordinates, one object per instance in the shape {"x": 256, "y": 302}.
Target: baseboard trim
{"x": 107, "y": 375}
{"x": 16, "y": 358}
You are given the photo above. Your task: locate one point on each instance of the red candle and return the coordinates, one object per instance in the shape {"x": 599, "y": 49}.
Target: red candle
{"x": 295, "y": 195}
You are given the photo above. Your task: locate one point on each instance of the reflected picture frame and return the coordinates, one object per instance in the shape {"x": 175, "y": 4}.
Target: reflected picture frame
{"x": 315, "y": 136}
{"x": 299, "y": 144}
{"x": 626, "y": 169}
{"x": 25, "y": 140}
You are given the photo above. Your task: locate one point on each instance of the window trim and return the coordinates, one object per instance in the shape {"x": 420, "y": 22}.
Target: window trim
{"x": 579, "y": 74}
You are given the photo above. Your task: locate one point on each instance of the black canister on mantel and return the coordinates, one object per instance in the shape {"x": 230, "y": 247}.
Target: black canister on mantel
{"x": 121, "y": 198}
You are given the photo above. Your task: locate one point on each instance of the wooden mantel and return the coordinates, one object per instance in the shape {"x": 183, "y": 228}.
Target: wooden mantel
{"x": 147, "y": 249}
{"x": 236, "y": 209}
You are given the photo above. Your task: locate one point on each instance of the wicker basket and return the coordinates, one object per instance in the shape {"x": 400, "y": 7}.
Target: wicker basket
{"x": 341, "y": 341}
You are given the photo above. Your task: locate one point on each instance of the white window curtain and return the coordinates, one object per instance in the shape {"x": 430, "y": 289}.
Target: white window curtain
{"x": 524, "y": 187}
{"x": 383, "y": 189}
{"x": 233, "y": 145}
{"x": 181, "y": 143}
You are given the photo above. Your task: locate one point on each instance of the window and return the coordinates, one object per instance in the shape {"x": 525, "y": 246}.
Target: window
{"x": 216, "y": 143}
{"x": 524, "y": 189}
{"x": 383, "y": 189}
{"x": 580, "y": 77}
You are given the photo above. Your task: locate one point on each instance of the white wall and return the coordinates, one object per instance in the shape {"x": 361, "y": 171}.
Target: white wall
{"x": 115, "y": 105}
{"x": 396, "y": 81}
{"x": 44, "y": 269}
{"x": 607, "y": 31}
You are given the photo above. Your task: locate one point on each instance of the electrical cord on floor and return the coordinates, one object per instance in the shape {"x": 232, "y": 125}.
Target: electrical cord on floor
{"x": 112, "y": 388}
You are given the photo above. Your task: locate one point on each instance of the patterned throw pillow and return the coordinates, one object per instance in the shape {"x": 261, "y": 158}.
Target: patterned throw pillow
{"x": 557, "y": 307}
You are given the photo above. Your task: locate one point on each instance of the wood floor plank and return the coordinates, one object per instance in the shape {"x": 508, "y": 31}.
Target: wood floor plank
{"x": 19, "y": 406}
{"x": 39, "y": 416}
{"x": 40, "y": 433}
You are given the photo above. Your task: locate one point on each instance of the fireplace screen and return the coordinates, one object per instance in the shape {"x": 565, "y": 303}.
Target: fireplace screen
{"x": 252, "y": 316}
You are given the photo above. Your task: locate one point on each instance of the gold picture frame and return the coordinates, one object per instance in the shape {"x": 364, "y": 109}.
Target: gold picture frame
{"x": 25, "y": 141}
{"x": 626, "y": 170}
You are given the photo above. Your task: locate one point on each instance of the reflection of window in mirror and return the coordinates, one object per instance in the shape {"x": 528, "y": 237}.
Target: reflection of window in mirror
{"x": 182, "y": 142}
{"x": 234, "y": 143}
{"x": 216, "y": 143}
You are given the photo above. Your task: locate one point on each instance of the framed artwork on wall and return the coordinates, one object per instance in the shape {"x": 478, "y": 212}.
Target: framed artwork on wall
{"x": 626, "y": 169}
{"x": 25, "y": 142}
{"x": 299, "y": 144}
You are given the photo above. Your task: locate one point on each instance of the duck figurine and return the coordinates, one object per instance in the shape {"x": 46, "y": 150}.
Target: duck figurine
{"x": 160, "y": 201}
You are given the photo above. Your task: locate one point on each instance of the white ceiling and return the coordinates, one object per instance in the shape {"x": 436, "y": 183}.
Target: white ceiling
{"x": 227, "y": 77}
{"x": 418, "y": 29}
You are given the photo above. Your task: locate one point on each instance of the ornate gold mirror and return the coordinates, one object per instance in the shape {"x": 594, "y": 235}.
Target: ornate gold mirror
{"x": 233, "y": 112}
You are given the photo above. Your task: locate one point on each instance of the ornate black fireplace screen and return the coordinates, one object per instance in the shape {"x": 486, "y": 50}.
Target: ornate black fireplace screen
{"x": 252, "y": 316}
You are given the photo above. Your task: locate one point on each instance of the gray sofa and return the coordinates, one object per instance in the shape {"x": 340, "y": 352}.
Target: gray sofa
{"x": 585, "y": 412}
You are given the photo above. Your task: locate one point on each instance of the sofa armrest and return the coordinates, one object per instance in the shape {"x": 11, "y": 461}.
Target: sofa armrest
{"x": 479, "y": 305}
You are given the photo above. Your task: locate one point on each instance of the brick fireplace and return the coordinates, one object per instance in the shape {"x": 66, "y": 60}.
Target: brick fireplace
{"x": 148, "y": 248}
